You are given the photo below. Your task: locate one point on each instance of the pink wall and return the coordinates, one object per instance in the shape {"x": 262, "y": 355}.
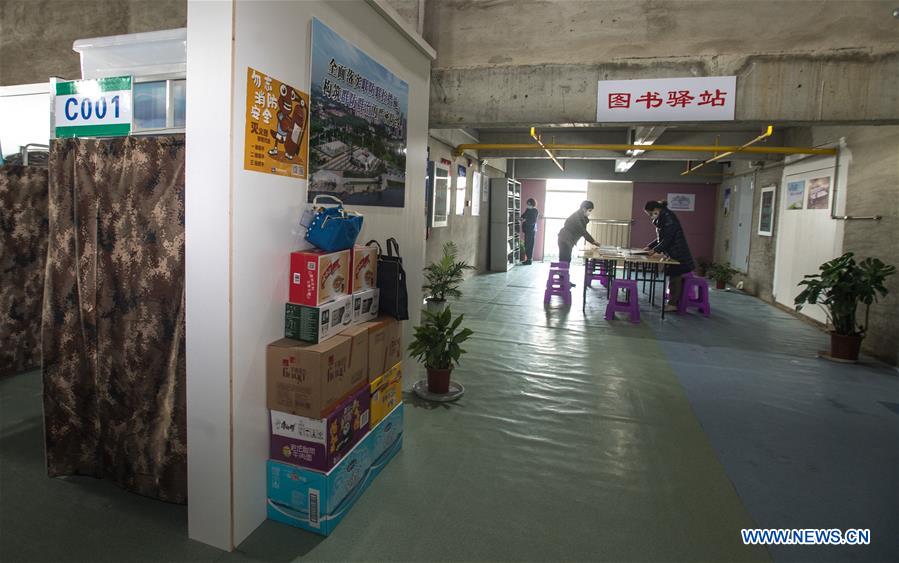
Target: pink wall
{"x": 699, "y": 225}
{"x": 537, "y": 190}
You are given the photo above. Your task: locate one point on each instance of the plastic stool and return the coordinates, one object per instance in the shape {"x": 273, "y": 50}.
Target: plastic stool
{"x": 695, "y": 294}
{"x": 596, "y": 270}
{"x": 558, "y": 265}
{"x": 558, "y": 283}
{"x": 630, "y": 306}
{"x": 668, "y": 290}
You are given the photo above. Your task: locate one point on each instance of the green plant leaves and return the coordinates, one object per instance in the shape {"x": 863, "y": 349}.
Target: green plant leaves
{"x": 442, "y": 278}
{"x": 841, "y": 285}
{"x": 721, "y": 271}
{"x": 436, "y": 343}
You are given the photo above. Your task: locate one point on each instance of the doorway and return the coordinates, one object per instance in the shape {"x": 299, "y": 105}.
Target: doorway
{"x": 562, "y": 198}
{"x": 610, "y": 223}
{"x": 742, "y": 224}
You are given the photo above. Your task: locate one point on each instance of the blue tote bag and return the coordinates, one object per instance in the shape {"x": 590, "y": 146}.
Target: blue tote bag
{"x": 333, "y": 228}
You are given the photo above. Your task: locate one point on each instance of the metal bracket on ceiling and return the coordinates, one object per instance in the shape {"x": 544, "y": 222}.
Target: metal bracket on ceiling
{"x": 718, "y": 156}
{"x": 538, "y": 138}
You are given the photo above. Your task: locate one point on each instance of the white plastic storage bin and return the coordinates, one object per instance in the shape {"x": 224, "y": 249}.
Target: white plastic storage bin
{"x": 137, "y": 54}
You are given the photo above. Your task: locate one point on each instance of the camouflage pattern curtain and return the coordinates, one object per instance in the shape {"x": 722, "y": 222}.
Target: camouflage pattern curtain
{"x": 23, "y": 252}
{"x": 113, "y": 315}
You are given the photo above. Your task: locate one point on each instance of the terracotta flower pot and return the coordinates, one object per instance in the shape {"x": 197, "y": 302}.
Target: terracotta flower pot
{"x": 843, "y": 347}
{"x": 720, "y": 284}
{"x": 439, "y": 380}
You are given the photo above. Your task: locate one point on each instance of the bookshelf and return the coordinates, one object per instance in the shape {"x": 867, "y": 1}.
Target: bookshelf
{"x": 505, "y": 223}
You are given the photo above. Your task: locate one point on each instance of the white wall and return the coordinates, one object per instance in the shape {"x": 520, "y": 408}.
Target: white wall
{"x": 274, "y": 37}
{"x": 24, "y": 116}
{"x": 207, "y": 273}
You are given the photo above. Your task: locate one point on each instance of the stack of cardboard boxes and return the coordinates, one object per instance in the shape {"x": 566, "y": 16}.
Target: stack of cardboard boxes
{"x": 334, "y": 387}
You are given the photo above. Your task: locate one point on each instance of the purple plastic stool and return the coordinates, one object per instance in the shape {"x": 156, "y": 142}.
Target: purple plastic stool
{"x": 557, "y": 265}
{"x": 630, "y": 306}
{"x": 696, "y": 294}
{"x": 596, "y": 270}
{"x": 558, "y": 283}
{"x": 668, "y": 289}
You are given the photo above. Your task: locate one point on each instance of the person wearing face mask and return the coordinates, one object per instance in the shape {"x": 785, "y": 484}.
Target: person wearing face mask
{"x": 529, "y": 228}
{"x": 670, "y": 241}
{"x": 575, "y": 228}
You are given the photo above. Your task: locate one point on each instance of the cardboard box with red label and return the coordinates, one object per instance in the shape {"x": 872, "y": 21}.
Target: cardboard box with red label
{"x": 317, "y": 277}
{"x": 311, "y": 379}
{"x": 365, "y": 268}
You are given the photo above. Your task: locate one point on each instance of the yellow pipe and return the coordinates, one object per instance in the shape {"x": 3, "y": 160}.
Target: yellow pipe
{"x": 645, "y": 148}
{"x": 768, "y": 132}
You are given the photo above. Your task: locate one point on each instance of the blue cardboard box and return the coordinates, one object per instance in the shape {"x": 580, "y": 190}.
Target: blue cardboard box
{"x": 317, "y": 501}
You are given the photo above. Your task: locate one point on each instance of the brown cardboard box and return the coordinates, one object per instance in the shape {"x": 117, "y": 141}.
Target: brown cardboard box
{"x": 385, "y": 345}
{"x": 311, "y": 379}
{"x": 358, "y": 366}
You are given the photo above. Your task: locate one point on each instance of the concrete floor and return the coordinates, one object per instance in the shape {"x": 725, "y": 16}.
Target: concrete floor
{"x": 577, "y": 439}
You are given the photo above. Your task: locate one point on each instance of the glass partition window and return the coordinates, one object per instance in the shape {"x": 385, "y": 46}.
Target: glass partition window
{"x": 179, "y": 100}
{"x": 159, "y": 104}
{"x": 150, "y": 104}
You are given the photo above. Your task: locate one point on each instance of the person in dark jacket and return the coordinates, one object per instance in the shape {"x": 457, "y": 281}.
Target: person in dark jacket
{"x": 670, "y": 241}
{"x": 529, "y": 228}
{"x": 575, "y": 228}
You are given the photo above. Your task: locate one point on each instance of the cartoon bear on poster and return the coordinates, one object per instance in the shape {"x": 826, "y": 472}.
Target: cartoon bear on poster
{"x": 292, "y": 117}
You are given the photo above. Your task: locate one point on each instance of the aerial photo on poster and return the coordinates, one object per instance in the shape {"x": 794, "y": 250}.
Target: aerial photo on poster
{"x": 358, "y": 125}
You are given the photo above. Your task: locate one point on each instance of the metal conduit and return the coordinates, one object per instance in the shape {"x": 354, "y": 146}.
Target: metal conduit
{"x": 645, "y": 148}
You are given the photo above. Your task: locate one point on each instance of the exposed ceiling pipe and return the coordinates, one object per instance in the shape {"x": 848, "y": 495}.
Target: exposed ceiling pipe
{"x": 652, "y": 148}
{"x": 767, "y": 133}
{"x": 643, "y": 135}
{"x": 421, "y": 17}
{"x": 548, "y": 152}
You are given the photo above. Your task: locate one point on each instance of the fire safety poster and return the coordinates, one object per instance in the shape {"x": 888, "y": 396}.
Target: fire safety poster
{"x": 277, "y": 137}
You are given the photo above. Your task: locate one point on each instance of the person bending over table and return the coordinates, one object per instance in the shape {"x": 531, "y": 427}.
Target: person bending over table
{"x": 670, "y": 241}
{"x": 575, "y": 228}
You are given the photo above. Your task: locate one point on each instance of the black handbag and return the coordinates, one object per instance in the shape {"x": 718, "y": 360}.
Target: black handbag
{"x": 392, "y": 281}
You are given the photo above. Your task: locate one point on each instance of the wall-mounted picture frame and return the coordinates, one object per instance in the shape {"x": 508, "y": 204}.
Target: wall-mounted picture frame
{"x": 682, "y": 202}
{"x": 766, "y": 212}
{"x": 795, "y": 195}
{"x": 818, "y": 196}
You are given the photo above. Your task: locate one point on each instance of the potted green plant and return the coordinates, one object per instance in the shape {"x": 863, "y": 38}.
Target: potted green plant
{"x": 841, "y": 285}
{"x": 443, "y": 278}
{"x": 437, "y": 345}
{"x": 721, "y": 273}
{"x": 702, "y": 266}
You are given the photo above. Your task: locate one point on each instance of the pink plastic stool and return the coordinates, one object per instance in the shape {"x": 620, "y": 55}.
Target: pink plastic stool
{"x": 558, "y": 283}
{"x": 631, "y": 305}
{"x": 696, "y": 294}
{"x": 596, "y": 270}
